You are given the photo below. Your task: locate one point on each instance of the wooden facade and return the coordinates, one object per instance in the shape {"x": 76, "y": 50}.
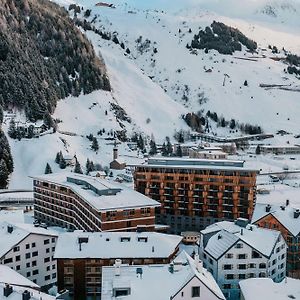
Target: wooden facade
{"x": 194, "y": 198}
{"x": 293, "y": 242}
{"x": 60, "y": 206}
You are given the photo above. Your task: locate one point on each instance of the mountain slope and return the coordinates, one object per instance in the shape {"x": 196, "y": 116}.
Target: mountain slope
{"x": 43, "y": 58}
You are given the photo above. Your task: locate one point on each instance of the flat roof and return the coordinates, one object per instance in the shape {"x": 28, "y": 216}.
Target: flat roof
{"x": 114, "y": 245}
{"x": 114, "y": 196}
{"x": 266, "y": 288}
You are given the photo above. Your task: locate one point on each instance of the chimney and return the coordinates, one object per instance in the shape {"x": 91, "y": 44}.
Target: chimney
{"x": 7, "y": 290}
{"x": 296, "y": 213}
{"x": 198, "y": 263}
{"x": 82, "y": 240}
{"x": 242, "y": 231}
{"x": 219, "y": 236}
{"x": 171, "y": 268}
{"x": 26, "y": 295}
{"x": 117, "y": 265}
{"x": 115, "y": 151}
{"x": 282, "y": 207}
{"x": 10, "y": 228}
{"x": 287, "y": 202}
{"x": 268, "y": 208}
{"x": 152, "y": 248}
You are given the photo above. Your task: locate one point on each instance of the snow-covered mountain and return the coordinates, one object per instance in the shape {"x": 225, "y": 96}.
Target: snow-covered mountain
{"x": 158, "y": 80}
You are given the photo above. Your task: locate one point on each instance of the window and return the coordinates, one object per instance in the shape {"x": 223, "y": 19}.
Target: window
{"x": 195, "y": 291}
{"x": 18, "y": 258}
{"x": 239, "y": 246}
{"x": 262, "y": 266}
{"x": 47, "y": 277}
{"x": 121, "y": 292}
{"x": 211, "y": 261}
{"x": 35, "y": 253}
{"x": 227, "y": 267}
{"x": 35, "y": 272}
{"x": 252, "y": 266}
{"x": 28, "y": 274}
{"x": 53, "y": 240}
{"x": 27, "y": 246}
{"x": 229, "y": 255}
{"x": 27, "y": 255}
{"x": 18, "y": 267}
{"x": 28, "y": 265}
{"x": 33, "y": 263}
{"x": 242, "y": 276}
{"x": 47, "y": 259}
{"x": 53, "y": 275}
{"x": 255, "y": 254}
{"x": 33, "y": 245}
{"x": 47, "y": 250}
{"x": 17, "y": 248}
{"x": 274, "y": 262}
{"x": 53, "y": 249}
{"x": 48, "y": 268}
{"x": 229, "y": 276}
{"x": 242, "y": 266}
{"x": 46, "y": 242}
{"x": 227, "y": 286}
{"x": 8, "y": 260}
{"x": 242, "y": 256}
{"x": 53, "y": 267}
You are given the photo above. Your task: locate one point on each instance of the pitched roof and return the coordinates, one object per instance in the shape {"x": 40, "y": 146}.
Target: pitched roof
{"x": 19, "y": 232}
{"x": 261, "y": 239}
{"x": 284, "y": 216}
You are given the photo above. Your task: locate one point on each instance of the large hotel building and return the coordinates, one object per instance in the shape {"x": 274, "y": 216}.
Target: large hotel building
{"x": 82, "y": 202}
{"x": 195, "y": 193}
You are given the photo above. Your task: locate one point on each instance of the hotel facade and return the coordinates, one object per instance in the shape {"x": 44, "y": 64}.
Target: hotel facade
{"x": 195, "y": 193}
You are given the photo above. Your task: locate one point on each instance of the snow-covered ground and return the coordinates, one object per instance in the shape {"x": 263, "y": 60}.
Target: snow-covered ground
{"x": 153, "y": 87}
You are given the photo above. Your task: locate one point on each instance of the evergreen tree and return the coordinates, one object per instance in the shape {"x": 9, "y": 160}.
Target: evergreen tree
{"x": 77, "y": 168}
{"x": 4, "y": 173}
{"x": 169, "y": 146}
{"x": 1, "y": 114}
{"x": 164, "y": 150}
{"x": 127, "y": 51}
{"x": 140, "y": 143}
{"x": 111, "y": 174}
{"x": 258, "y": 151}
{"x": 95, "y": 145}
{"x": 62, "y": 163}
{"x": 30, "y": 133}
{"x": 48, "y": 121}
{"x": 153, "y": 148}
{"x": 57, "y": 158}
{"x": 48, "y": 169}
{"x": 12, "y": 129}
{"x": 179, "y": 151}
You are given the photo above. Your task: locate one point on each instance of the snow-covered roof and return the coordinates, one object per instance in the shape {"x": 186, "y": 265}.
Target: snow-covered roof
{"x": 19, "y": 284}
{"x": 141, "y": 286}
{"x": 107, "y": 245}
{"x": 284, "y": 214}
{"x": 95, "y": 173}
{"x": 266, "y": 288}
{"x": 195, "y": 163}
{"x": 279, "y": 193}
{"x": 109, "y": 195}
{"x": 261, "y": 239}
{"x": 19, "y": 232}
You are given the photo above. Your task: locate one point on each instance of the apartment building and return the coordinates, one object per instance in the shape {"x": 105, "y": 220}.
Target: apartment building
{"x": 81, "y": 256}
{"x": 76, "y": 201}
{"x": 195, "y": 193}
{"x": 286, "y": 219}
{"x": 184, "y": 278}
{"x": 29, "y": 251}
{"x": 236, "y": 251}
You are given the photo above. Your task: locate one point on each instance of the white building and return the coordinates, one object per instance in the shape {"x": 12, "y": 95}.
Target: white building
{"x": 237, "y": 251}
{"x": 14, "y": 286}
{"x": 184, "y": 278}
{"x": 29, "y": 250}
{"x": 265, "y": 288}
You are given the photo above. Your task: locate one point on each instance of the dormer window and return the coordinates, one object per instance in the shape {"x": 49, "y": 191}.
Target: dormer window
{"x": 125, "y": 239}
